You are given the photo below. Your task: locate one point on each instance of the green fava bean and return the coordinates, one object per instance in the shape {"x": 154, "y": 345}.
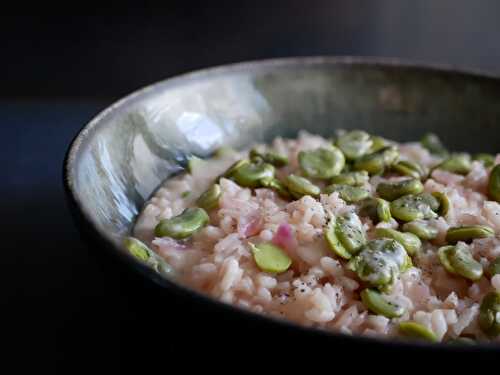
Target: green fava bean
{"x": 409, "y": 168}
{"x": 377, "y": 209}
{"x": 210, "y": 198}
{"x": 377, "y": 162}
{"x": 351, "y": 178}
{"x": 458, "y": 260}
{"x": 183, "y": 225}
{"x": 349, "y": 231}
{"x": 444, "y": 203}
{"x": 300, "y": 186}
{"x": 234, "y": 167}
{"x": 468, "y": 233}
{"x": 355, "y": 144}
{"x": 142, "y": 252}
{"x": 137, "y": 248}
{"x": 380, "y": 262}
{"x": 377, "y": 303}
{"x": 348, "y": 193}
{"x": 333, "y": 242}
{"x": 433, "y": 144}
{"x": 378, "y": 143}
{"x": 421, "y": 229}
{"x": 488, "y": 160}
{"x": 457, "y": 163}
{"x": 277, "y": 186}
{"x": 252, "y": 174}
{"x": 494, "y": 267}
{"x": 273, "y": 158}
{"x": 270, "y": 258}
{"x": 430, "y": 200}
{"x": 345, "y": 235}
{"x": 322, "y": 163}
{"x": 393, "y": 190}
{"x": 412, "y": 207}
{"x": 494, "y": 183}
{"x": 489, "y": 314}
{"x": 410, "y": 242}
{"x": 417, "y": 331}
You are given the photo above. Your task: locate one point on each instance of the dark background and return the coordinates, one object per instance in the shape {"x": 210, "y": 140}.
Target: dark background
{"x": 63, "y": 305}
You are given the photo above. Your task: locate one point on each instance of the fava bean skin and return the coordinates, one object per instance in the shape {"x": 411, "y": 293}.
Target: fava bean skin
{"x": 273, "y": 158}
{"x": 412, "y": 207}
{"x": 457, "y": 163}
{"x": 434, "y": 145}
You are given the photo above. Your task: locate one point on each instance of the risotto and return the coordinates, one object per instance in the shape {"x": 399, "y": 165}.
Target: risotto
{"x": 356, "y": 234}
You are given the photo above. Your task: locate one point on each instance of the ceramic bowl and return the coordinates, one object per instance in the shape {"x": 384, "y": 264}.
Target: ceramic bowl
{"x": 121, "y": 156}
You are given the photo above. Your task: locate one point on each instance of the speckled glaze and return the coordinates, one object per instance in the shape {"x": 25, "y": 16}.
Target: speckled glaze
{"x": 122, "y": 155}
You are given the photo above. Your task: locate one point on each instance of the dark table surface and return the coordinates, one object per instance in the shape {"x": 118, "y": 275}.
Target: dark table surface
{"x": 60, "y": 302}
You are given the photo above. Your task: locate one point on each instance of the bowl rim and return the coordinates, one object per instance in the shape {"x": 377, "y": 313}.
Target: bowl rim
{"x": 84, "y": 134}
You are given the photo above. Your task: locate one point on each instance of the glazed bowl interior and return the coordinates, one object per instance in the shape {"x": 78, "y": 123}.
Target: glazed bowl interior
{"x": 123, "y": 154}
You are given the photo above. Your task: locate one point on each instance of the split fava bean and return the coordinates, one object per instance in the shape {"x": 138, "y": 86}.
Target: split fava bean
{"x": 322, "y": 163}
{"x": 251, "y": 174}
{"x": 459, "y": 261}
{"x": 354, "y": 144}
{"x": 270, "y": 157}
{"x": 378, "y": 143}
{"x": 494, "y": 183}
{"x": 137, "y": 248}
{"x": 468, "y": 233}
{"x": 457, "y": 163}
{"x": 377, "y": 303}
{"x": 421, "y": 229}
{"x": 183, "y": 225}
{"x": 489, "y": 314}
{"x": 410, "y": 168}
{"x": 434, "y": 145}
{"x": 412, "y": 207}
{"x": 380, "y": 262}
{"x": 377, "y": 209}
{"x": 377, "y": 162}
{"x": 270, "y": 258}
{"x": 410, "y": 242}
{"x": 444, "y": 203}
{"x": 300, "y": 186}
{"x": 393, "y": 190}
{"x": 417, "y": 331}
{"x": 141, "y": 251}
{"x": 345, "y": 235}
{"x": 234, "y": 167}
{"x": 351, "y": 178}
{"x": 348, "y": 193}
{"x": 210, "y": 198}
